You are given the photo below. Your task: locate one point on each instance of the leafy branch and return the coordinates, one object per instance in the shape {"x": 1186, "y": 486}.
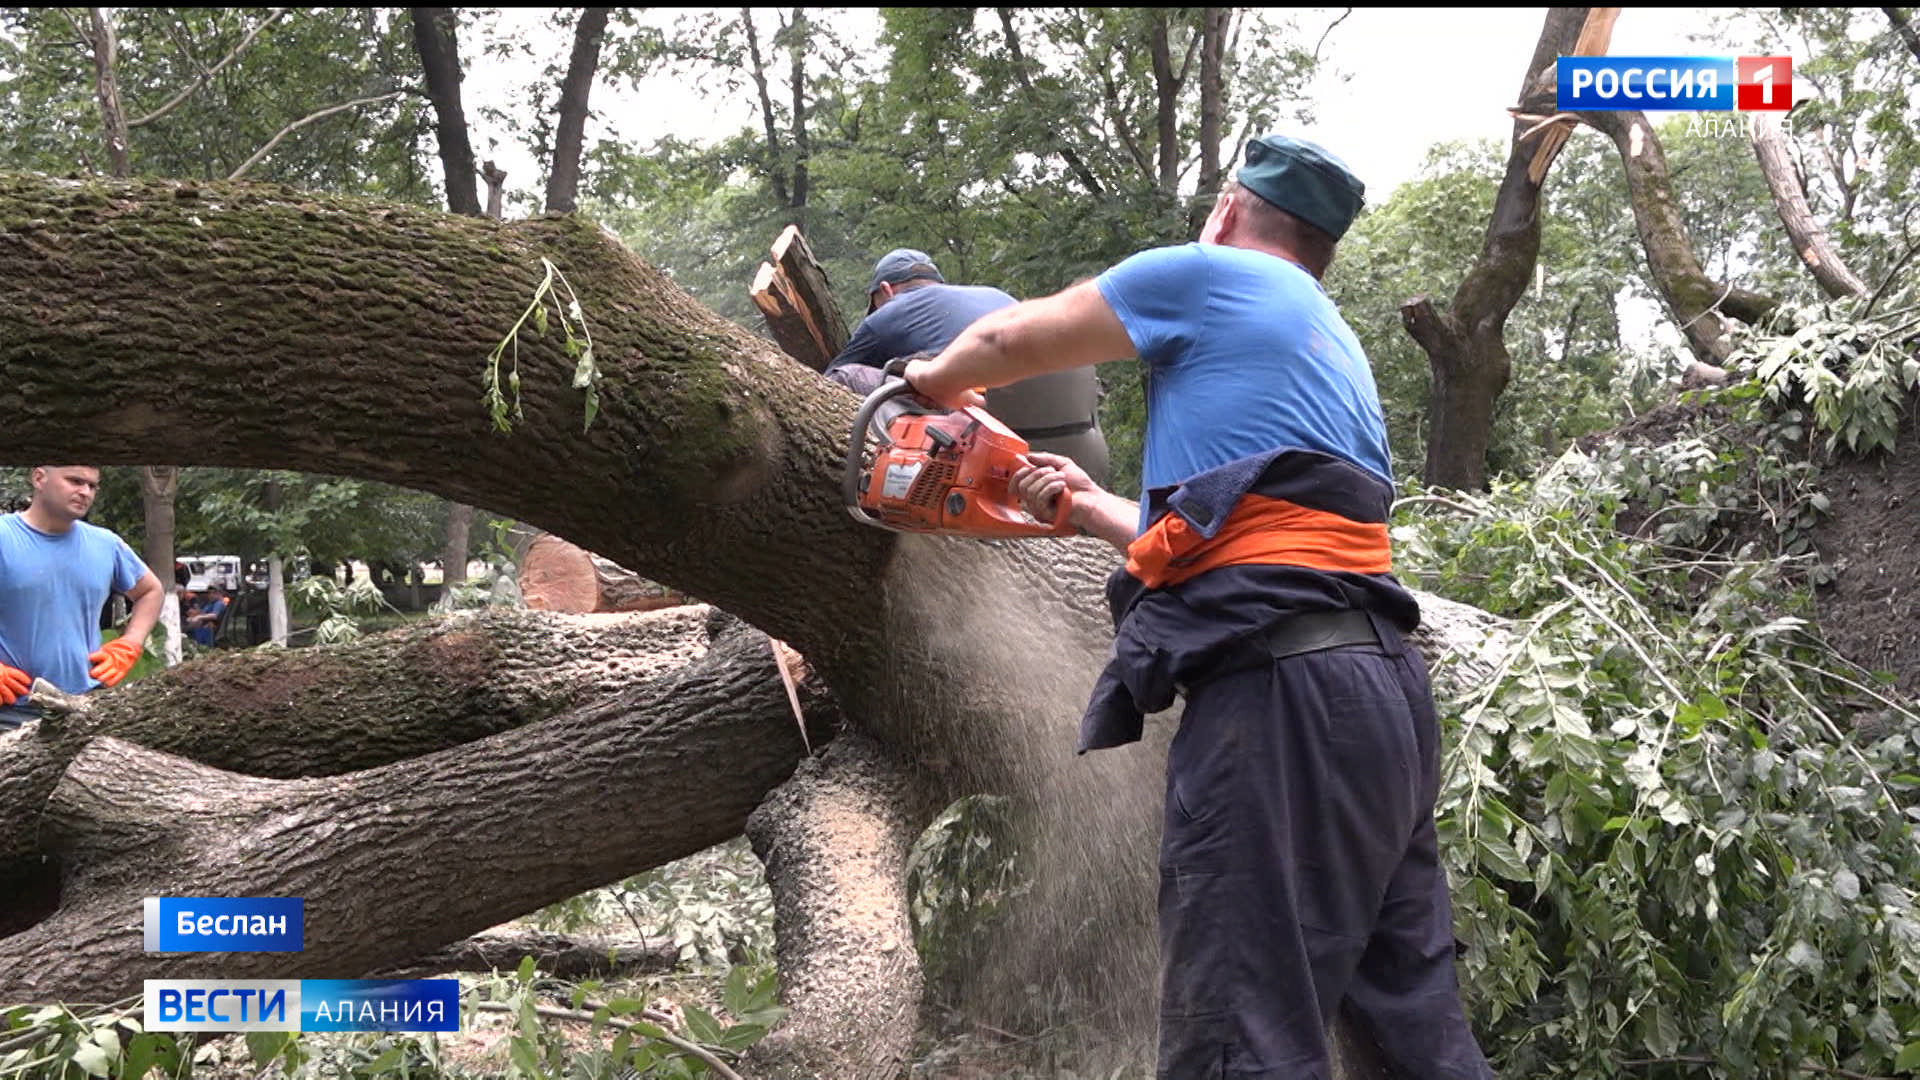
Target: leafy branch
{"x": 556, "y": 292}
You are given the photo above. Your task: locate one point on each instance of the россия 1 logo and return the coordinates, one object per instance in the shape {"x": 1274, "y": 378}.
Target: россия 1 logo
{"x": 1713, "y": 83}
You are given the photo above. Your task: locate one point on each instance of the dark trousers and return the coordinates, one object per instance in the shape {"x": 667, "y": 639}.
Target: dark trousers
{"x": 1299, "y": 871}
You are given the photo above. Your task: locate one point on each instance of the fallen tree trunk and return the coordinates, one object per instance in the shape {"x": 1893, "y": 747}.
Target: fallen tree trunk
{"x": 558, "y": 576}
{"x": 386, "y": 858}
{"x": 342, "y": 708}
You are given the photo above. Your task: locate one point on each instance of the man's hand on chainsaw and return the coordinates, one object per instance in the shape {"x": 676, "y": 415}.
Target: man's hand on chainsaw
{"x": 1041, "y": 484}
{"x": 930, "y": 380}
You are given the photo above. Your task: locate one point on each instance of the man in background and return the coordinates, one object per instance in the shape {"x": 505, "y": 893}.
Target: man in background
{"x": 912, "y": 309}
{"x": 56, "y": 572}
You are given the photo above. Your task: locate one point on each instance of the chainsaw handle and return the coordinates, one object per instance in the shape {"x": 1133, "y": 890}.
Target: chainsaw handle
{"x": 1062, "y": 523}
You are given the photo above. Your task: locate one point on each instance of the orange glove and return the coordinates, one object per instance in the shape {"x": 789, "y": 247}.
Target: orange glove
{"x": 14, "y": 684}
{"x": 114, "y": 660}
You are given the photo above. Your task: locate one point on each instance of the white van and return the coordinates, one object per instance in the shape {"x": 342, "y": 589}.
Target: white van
{"x": 208, "y": 570}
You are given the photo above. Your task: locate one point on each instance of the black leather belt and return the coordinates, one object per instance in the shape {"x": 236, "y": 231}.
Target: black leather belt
{"x": 1313, "y": 631}
{"x": 1306, "y": 632}
{"x": 1059, "y": 431}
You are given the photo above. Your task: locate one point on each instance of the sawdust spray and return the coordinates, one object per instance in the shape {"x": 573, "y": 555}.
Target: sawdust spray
{"x": 1012, "y": 670}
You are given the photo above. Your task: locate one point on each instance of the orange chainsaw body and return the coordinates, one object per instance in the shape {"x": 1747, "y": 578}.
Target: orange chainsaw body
{"x": 928, "y": 470}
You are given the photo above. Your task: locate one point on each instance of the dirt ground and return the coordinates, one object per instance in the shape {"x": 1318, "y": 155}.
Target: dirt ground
{"x": 1870, "y": 538}
{"x": 1871, "y": 611}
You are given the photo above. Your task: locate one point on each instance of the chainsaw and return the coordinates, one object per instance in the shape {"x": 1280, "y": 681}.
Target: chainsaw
{"x": 913, "y": 466}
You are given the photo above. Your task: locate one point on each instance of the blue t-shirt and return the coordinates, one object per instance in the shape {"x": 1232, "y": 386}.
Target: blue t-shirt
{"x": 52, "y": 587}
{"x": 1245, "y": 353}
{"x": 926, "y": 319}
{"x": 204, "y": 633}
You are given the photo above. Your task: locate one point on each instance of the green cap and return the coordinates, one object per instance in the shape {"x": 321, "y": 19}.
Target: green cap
{"x": 1304, "y": 180}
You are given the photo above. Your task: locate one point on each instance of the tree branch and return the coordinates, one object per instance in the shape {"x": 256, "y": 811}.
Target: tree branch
{"x": 776, "y": 172}
{"x": 1318, "y": 45}
{"x": 303, "y": 122}
{"x": 657, "y": 1019}
{"x": 207, "y": 74}
{"x": 1067, "y": 154}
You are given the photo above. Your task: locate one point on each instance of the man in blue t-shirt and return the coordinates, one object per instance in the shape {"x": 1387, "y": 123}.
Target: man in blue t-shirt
{"x": 204, "y": 623}
{"x": 911, "y": 309}
{"x": 1299, "y": 864}
{"x": 56, "y": 572}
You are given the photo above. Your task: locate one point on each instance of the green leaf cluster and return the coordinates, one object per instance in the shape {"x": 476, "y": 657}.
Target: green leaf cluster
{"x": 1678, "y": 826}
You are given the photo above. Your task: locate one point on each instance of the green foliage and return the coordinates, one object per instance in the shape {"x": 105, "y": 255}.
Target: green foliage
{"x": 1855, "y": 376}
{"x": 58, "y": 1042}
{"x": 715, "y": 906}
{"x": 334, "y": 608}
{"x": 552, "y": 289}
{"x": 308, "y": 59}
{"x": 1677, "y": 824}
{"x": 1854, "y": 127}
{"x": 961, "y": 875}
{"x": 641, "y": 1047}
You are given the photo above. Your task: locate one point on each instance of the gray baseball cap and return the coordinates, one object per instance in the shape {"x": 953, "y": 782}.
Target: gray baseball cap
{"x": 903, "y": 264}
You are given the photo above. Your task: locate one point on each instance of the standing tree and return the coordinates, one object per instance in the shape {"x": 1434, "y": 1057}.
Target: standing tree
{"x": 1466, "y": 344}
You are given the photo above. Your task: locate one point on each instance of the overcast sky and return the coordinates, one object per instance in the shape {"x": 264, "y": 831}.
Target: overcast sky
{"x": 1396, "y": 81}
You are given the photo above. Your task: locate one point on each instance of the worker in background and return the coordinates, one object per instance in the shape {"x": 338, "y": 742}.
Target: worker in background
{"x": 911, "y": 309}
{"x": 56, "y": 572}
{"x": 1300, "y": 873}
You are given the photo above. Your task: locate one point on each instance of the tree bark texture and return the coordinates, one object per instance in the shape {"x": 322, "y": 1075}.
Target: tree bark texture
{"x": 330, "y": 710}
{"x": 714, "y": 467}
{"x": 837, "y": 837}
{"x": 1809, "y": 237}
{"x": 435, "y": 36}
{"x": 453, "y": 555}
{"x": 1696, "y": 302}
{"x": 387, "y": 858}
{"x": 563, "y": 180}
{"x": 1466, "y": 344}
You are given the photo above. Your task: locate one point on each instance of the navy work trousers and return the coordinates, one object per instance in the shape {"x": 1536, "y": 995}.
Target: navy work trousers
{"x": 1299, "y": 871}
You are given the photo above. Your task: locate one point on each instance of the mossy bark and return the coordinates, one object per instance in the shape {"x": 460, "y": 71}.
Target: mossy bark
{"x": 1698, "y": 304}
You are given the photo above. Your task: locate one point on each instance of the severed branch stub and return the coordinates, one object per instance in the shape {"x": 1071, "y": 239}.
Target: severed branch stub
{"x": 793, "y": 294}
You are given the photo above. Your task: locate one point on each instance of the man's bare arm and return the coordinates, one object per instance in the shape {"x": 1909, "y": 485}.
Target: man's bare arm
{"x": 145, "y": 597}
{"x": 1070, "y": 329}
